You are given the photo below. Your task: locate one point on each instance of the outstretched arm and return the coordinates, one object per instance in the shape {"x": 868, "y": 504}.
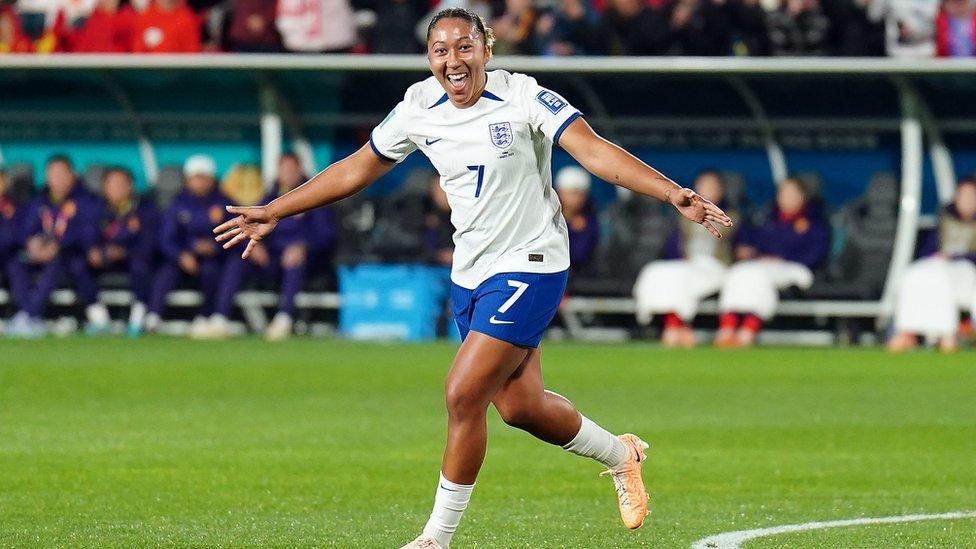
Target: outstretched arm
{"x": 615, "y": 165}
{"x": 344, "y": 178}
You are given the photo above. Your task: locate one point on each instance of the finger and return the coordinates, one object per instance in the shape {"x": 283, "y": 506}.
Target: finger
{"x": 228, "y": 224}
{"x": 224, "y": 236}
{"x": 240, "y": 237}
{"x": 720, "y": 215}
{"x": 711, "y": 229}
{"x": 240, "y": 210}
{"x": 247, "y": 250}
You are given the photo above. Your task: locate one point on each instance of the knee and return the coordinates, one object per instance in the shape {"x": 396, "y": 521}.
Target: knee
{"x": 463, "y": 404}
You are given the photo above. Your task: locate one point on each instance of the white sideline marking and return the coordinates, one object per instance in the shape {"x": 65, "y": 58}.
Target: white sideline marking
{"x": 732, "y": 540}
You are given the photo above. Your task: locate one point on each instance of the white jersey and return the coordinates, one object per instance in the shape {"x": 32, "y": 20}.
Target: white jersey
{"x": 494, "y": 159}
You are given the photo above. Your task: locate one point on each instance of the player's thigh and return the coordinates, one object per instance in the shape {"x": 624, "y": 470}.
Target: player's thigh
{"x": 481, "y": 367}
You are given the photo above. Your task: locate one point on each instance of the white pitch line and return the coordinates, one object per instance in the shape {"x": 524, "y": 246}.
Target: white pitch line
{"x": 732, "y": 540}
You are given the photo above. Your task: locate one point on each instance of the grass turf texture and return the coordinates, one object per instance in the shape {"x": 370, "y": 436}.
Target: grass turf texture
{"x": 107, "y": 442}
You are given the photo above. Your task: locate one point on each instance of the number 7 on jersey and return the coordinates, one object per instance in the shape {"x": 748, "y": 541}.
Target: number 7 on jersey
{"x": 481, "y": 178}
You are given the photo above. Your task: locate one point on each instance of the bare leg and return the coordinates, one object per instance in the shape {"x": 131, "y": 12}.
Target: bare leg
{"x": 480, "y": 369}
{"x": 524, "y": 403}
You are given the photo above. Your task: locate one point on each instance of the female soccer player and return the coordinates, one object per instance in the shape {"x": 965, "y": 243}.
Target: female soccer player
{"x": 490, "y": 136}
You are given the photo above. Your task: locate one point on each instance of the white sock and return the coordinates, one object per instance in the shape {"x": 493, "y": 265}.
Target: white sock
{"x": 449, "y": 504}
{"x": 152, "y": 322}
{"x": 137, "y": 314}
{"x": 595, "y": 442}
{"x": 97, "y": 314}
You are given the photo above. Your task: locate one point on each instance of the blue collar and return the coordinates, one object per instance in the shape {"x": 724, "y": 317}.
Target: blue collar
{"x": 484, "y": 93}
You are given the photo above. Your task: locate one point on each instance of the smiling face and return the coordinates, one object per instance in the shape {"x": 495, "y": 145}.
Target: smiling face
{"x": 458, "y": 55}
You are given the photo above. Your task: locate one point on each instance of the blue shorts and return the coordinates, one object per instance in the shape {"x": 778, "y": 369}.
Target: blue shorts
{"x": 512, "y": 307}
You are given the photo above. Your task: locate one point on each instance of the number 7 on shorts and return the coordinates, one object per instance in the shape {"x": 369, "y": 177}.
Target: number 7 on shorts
{"x": 521, "y": 287}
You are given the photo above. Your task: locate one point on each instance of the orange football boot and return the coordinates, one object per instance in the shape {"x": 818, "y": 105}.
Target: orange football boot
{"x": 631, "y": 494}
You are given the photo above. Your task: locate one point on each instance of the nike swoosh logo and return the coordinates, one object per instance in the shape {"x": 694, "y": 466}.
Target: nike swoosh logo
{"x": 494, "y": 321}
{"x": 432, "y": 141}
{"x": 448, "y": 489}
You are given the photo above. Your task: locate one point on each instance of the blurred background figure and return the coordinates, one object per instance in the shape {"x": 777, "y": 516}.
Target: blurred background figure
{"x": 11, "y": 214}
{"x": 282, "y": 257}
{"x": 631, "y": 27}
{"x": 798, "y": 28}
{"x": 251, "y": 28}
{"x": 572, "y": 27}
{"x": 514, "y": 29}
{"x": 781, "y": 251}
{"x": 12, "y": 36}
{"x": 316, "y": 26}
{"x": 573, "y": 188}
{"x": 187, "y": 244}
{"x": 934, "y": 290}
{"x": 438, "y": 230}
{"x": 695, "y": 265}
{"x": 909, "y": 26}
{"x": 58, "y": 230}
{"x": 127, "y": 240}
{"x": 109, "y": 29}
{"x": 167, "y": 26}
{"x": 955, "y": 29}
{"x": 393, "y": 29}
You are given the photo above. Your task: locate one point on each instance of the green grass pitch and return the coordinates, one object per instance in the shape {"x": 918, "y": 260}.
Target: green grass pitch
{"x": 320, "y": 443}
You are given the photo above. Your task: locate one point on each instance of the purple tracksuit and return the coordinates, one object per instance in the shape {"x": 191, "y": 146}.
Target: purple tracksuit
{"x": 189, "y": 219}
{"x": 11, "y": 218}
{"x": 308, "y": 229}
{"x": 71, "y": 224}
{"x": 803, "y": 238}
{"x": 582, "y": 243}
{"x": 135, "y": 231}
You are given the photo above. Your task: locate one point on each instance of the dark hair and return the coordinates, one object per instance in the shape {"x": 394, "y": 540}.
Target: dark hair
{"x": 471, "y": 17}
{"x": 117, "y": 169}
{"x": 62, "y": 158}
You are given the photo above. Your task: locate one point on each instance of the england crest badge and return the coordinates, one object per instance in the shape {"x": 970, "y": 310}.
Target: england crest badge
{"x": 501, "y": 135}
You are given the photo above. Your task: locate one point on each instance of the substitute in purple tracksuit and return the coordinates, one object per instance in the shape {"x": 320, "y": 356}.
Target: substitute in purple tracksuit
{"x": 573, "y": 188}
{"x": 780, "y": 252}
{"x": 283, "y": 256}
{"x": 127, "y": 239}
{"x": 11, "y": 216}
{"x": 186, "y": 242}
{"x": 58, "y": 230}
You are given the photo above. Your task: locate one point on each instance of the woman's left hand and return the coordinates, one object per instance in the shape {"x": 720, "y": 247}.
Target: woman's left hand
{"x": 691, "y": 205}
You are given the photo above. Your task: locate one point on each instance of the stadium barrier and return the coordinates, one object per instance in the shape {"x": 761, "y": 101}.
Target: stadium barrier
{"x": 919, "y": 101}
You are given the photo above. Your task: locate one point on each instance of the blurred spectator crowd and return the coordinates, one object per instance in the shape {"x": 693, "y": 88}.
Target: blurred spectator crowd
{"x": 903, "y": 28}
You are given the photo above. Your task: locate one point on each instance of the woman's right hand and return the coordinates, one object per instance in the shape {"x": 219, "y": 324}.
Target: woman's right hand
{"x": 251, "y": 223}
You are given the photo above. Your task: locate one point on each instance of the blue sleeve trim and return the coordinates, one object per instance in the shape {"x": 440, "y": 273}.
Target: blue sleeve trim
{"x": 377, "y": 151}
{"x": 562, "y": 128}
